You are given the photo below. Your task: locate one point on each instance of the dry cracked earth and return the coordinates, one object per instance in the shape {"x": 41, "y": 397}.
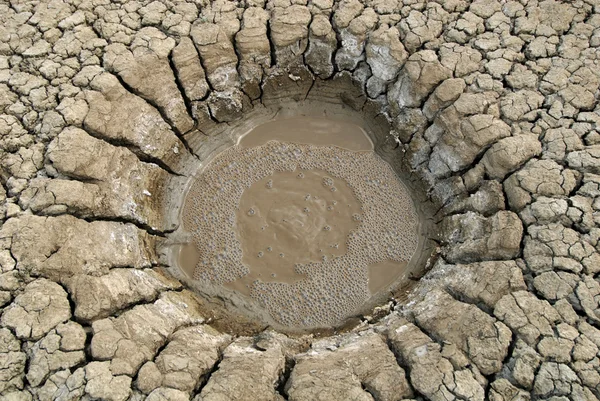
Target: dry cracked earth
{"x": 492, "y": 106}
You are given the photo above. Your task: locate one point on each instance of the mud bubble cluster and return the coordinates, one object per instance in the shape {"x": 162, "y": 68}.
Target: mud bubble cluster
{"x": 301, "y": 249}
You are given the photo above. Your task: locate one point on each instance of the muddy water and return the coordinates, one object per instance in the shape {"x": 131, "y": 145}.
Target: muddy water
{"x": 187, "y": 258}
{"x": 294, "y": 217}
{"x": 309, "y": 228}
{"x": 300, "y": 236}
{"x": 382, "y": 275}
{"x": 311, "y": 131}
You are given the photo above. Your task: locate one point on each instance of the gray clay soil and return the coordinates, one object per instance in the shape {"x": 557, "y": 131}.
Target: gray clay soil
{"x": 490, "y": 109}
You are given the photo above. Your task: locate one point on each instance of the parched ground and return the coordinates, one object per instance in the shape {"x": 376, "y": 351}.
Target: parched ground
{"x": 494, "y": 105}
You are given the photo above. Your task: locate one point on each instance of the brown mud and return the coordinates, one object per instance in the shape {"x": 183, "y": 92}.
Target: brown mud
{"x": 309, "y": 130}
{"x": 314, "y": 226}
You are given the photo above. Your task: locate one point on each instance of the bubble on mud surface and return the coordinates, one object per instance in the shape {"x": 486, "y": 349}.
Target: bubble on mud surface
{"x": 303, "y": 250}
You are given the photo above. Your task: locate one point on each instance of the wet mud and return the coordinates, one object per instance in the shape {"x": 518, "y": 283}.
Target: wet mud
{"x": 305, "y": 228}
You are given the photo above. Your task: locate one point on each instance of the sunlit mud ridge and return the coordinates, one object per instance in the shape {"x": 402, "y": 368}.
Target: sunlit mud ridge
{"x": 487, "y": 111}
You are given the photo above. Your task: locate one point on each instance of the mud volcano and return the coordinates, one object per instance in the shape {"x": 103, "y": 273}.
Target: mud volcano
{"x": 310, "y": 233}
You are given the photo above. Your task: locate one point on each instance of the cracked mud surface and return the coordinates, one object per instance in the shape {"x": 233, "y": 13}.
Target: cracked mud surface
{"x": 491, "y": 107}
